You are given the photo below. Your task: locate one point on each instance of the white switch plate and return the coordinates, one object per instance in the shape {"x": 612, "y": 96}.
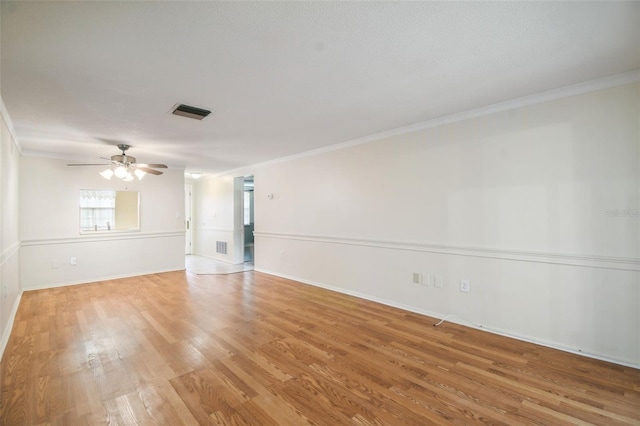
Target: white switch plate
{"x": 417, "y": 278}
{"x": 439, "y": 281}
{"x": 465, "y": 286}
{"x": 74, "y": 261}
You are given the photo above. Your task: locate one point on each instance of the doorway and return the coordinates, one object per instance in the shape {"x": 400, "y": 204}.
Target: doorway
{"x": 249, "y": 220}
{"x": 188, "y": 236}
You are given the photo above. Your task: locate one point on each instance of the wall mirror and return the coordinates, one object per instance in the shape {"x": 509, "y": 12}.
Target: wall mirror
{"x": 105, "y": 210}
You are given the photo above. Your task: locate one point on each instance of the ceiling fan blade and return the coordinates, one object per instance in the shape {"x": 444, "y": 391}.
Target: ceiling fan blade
{"x": 101, "y": 164}
{"x": 157, "y": 166}
{"x": 148, "y": 170}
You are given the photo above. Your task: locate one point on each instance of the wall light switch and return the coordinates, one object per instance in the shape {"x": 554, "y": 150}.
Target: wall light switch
{"x": 439, "y": 281}
{"x": 74, "y": 261}
{"x": 431, "y": 279}
{"x": 465, "y": 286}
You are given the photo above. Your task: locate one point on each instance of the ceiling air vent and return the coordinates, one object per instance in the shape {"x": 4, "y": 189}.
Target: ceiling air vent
{"x": 190, "y": 111}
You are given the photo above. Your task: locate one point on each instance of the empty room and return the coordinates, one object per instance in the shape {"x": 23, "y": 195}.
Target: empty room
{"x": 319, "y": 213}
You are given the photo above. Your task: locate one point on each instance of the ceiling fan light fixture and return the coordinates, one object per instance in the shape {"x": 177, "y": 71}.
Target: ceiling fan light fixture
{"x": 120, "y": 172}
{"x": 125, "y": 167}
{"x": 107, "y": 174}
{"x": 139, "y": 173}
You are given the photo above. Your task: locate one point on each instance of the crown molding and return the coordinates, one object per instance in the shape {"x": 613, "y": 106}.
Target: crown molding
{"x": 537, "y": 98}
{"x": 9, "y": 123}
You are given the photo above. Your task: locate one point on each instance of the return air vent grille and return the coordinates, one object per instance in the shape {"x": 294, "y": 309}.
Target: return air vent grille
{"x": 190, "y": 111}
{"x": 221, "y": 247}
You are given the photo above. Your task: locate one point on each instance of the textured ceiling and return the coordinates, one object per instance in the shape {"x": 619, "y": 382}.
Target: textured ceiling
{"x": 284, "y": 77}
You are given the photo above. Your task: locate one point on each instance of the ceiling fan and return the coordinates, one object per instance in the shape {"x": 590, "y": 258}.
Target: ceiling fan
{"x": 125, "y": 166}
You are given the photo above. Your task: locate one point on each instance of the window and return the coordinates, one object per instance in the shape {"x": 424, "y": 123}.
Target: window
{"x": 97, "y": 210}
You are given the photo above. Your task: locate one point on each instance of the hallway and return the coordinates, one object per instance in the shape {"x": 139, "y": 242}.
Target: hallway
{"x": 201, "y": 265}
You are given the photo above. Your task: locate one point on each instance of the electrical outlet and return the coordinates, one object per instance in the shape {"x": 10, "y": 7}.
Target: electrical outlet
{"x": 417, "y": 278}
{"x": 465, "y": 286}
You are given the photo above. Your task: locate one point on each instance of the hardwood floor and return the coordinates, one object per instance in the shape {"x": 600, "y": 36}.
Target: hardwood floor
{"x": 253, "y": 349}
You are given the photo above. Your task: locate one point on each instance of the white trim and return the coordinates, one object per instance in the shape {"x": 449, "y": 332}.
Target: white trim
{"x": 591, "y": 261}
{"x": 8, "y": 252}
{"x": 459, "y": 322}
{"x": 6, "y": 333}
{"x": 9, "y": 123}
{"x": 189, "y": 230}
{"x": 98, "y": 279}
{"x": 87, "y": 238}
{"x": 537, "y": 98}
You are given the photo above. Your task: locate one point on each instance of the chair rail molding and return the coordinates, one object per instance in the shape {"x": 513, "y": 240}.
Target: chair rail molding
{"x": 591, "y": 261}
{"x": 81, "y": 239}
{"x": 9, "y": 251}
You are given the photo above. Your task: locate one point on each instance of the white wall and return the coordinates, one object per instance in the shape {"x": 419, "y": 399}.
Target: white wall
{"x": 50, "y": 232}
{"x": 537, "y": 206}
{"x": 9, "y": 221}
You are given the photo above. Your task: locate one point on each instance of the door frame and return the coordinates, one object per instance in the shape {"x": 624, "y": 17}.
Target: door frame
{"x": 188, "y": 221}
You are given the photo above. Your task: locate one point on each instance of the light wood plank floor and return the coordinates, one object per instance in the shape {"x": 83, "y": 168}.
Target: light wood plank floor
{"x": 253, "y": 349}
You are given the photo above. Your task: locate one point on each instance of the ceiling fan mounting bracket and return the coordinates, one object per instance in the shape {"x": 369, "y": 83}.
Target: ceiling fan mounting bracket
{"x": 123, "y": 147}
{"x": 123, "y": 159}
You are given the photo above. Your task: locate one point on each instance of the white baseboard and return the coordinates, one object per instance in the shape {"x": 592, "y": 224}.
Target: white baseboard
{"x": 97, "y": 279}
{"x": 458, "y": 321}
{"x": 6, "y": 333}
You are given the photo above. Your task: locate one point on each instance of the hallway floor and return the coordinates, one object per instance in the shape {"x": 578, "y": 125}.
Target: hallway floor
{"x": 201, "y": 265}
